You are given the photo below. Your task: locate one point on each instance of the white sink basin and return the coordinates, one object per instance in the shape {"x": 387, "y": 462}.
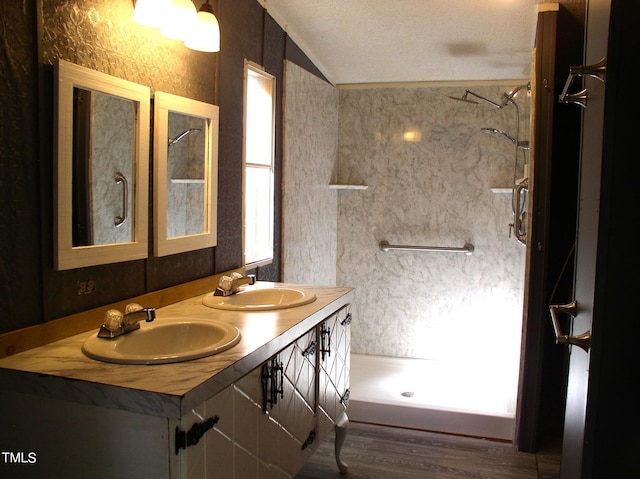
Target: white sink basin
{"x": 164, "y": 341}
{"x": 261, "y": 299}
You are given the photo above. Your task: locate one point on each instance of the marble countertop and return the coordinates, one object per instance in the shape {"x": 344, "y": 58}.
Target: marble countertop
{"x": 60, "y": 370}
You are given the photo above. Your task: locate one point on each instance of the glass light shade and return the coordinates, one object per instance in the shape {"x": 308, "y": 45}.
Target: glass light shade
{"x": 151, "y": 13}
{"x": 180, "y": 20}
{"x": 205, "y": 35}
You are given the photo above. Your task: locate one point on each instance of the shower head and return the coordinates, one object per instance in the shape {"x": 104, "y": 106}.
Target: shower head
{"x": 175, "y": 140}
{"x": 523, "y": 145}
{"x": 464, "y": 98}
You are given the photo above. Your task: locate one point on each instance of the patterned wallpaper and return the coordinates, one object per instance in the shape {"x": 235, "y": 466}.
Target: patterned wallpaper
{"x": 20, "y": 265}
{"x": 102, "y": 36}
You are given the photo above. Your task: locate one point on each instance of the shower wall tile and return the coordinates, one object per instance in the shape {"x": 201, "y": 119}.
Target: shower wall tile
{"x": 429, "y": 171}
{"x": 310, "y": 158}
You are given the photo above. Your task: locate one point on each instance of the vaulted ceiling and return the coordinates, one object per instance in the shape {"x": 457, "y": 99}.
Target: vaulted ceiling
{"x": 381, "y": 41}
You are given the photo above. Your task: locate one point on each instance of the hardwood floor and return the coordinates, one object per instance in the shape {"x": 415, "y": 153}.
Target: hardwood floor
{"x": 382, "y": 452}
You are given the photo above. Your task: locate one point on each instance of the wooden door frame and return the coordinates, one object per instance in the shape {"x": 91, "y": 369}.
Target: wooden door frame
{"x": 552, "y": 222}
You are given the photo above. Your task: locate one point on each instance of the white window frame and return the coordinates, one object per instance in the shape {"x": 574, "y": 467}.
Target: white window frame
{"x": 262, "y": 252}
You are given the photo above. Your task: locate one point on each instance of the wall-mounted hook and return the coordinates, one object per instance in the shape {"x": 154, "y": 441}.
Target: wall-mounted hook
{"x": 597, "y": 70}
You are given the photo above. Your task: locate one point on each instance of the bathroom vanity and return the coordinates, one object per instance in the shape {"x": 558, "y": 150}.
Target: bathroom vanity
{"x": 259, "y": 409}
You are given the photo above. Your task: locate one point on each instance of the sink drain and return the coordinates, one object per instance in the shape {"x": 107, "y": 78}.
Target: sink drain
{"x": 408, "y": 394}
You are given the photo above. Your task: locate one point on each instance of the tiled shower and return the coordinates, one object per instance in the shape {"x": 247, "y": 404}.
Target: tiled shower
{"x": 433, "y": 331}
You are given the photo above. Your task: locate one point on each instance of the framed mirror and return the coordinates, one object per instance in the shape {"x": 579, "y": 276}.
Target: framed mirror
{"x": 185, "y": 174}
{"x": 102, "y": 168}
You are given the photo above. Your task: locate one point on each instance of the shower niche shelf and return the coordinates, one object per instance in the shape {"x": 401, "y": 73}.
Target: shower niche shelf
{"x": 342, "y": 186}
{"x": 501, "y": 191}
{"x": 187, "y": 181}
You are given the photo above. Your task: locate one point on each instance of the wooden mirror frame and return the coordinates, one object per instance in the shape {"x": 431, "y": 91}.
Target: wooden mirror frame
{"x": 163, "y": 104}
{"x": 68, "y": 76}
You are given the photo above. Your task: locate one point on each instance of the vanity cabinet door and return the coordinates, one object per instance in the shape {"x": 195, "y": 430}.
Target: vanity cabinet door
{"x": 249, "y": 425}
{"x": 210, "y": 426}
{"x": 335, "y": 364}
{"x": 48, "y": 437}
{"x": 274, "y": 412}
{"x": 295, "y": 408}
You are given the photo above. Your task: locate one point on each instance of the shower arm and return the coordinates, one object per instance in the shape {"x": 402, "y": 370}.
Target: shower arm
{"x": 173, "y": 141}
{"x": 516, "y": 189}
{"x": 492, "y": 103}
{"x": 507, "y": 97}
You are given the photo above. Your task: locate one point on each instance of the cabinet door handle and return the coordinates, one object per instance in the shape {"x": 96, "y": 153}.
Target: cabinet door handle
{"x": 311, "y": 349}
{"x": 582, "y": 340}
{"x": 265, "y": 379}
{"x": 184, "y": 439}
{"x": 597, "y": 70}
{"x": 310, "y": 438}
{"x": 272, "y": 383}
{"x": 279, "y": 380}
{"x": 325, "y": 340}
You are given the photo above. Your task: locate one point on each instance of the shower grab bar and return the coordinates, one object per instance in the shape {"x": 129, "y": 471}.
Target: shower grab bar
{"x": 521, "y": 236}
{"x": 466, "y": 249}
{"x": 121, "y": 179}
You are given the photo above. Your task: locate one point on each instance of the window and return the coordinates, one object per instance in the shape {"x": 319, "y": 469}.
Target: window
{"x": 259, "y": 134}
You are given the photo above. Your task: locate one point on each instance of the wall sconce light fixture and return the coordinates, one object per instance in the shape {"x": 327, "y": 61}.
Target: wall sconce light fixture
{"x": 151, "y": 13}
{"x": 178, "y": 19}
{"x": 205, "y": 35}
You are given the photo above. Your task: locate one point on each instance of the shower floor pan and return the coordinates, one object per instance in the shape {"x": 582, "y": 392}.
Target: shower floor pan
{"x": 427, "y": 395}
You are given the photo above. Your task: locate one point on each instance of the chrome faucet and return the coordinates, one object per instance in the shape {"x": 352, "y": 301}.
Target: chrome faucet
{"x": 131, "y": 319}
{"x": 116, "y": 324}
{"x": 229, "y": 285}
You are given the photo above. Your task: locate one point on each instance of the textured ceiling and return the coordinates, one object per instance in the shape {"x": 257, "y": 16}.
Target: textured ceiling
{"x": 381, "y": 41}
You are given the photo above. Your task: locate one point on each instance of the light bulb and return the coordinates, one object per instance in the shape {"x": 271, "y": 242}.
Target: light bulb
{"x": 205, "y": 35}
{"x": 151, "y": 13}
{"x": 180, "y": 20}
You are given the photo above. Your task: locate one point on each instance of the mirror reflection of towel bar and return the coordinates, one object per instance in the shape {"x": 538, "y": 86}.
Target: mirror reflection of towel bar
{"x": 466, "y": 249}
